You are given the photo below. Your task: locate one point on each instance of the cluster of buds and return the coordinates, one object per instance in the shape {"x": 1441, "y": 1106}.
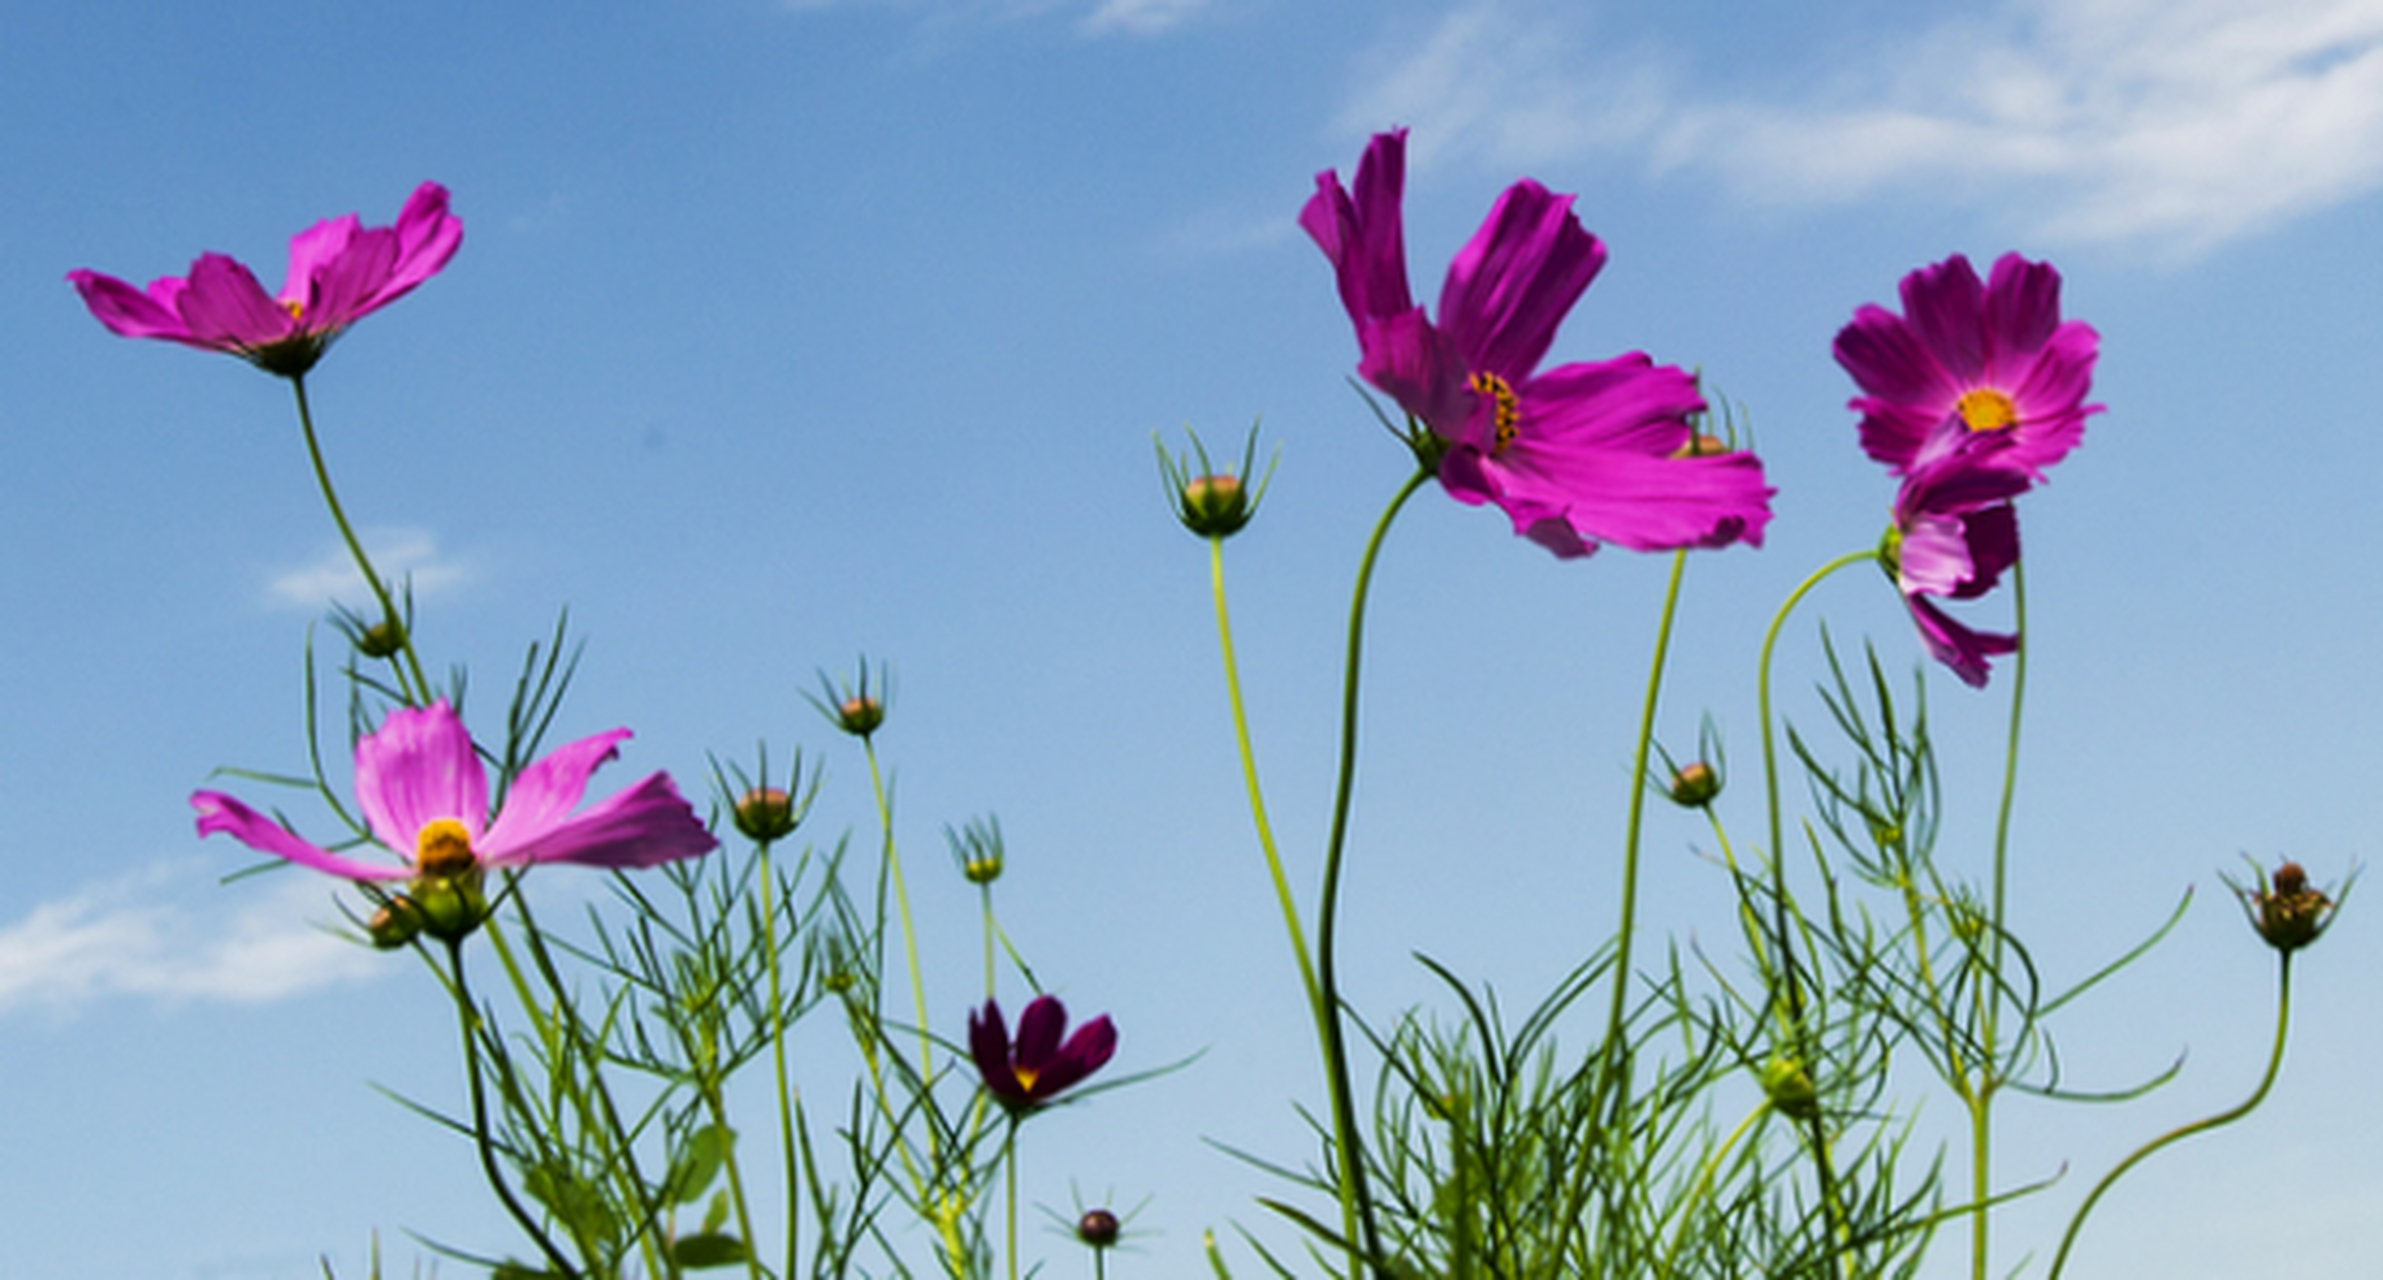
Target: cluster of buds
{"x": 445, "y": 901}
{"x": 1212, "y": 503}
{"x": 2286, "y": 910}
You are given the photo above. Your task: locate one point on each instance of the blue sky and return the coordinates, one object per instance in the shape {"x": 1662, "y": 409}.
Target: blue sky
{"x": 785, "y": 332}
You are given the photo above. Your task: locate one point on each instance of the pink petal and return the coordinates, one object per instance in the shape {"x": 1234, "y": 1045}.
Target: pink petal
{"x": 1510, "y": 286}
{"x": 1628, "y": 403}
{"x": 2022, "y": 305}
{"x": 1420, "y": 368}
{"x": 314, "y": 249}
{"x": 343, "y": 288}
{"x": 544, "y": 794}
{"x": 644, "y": 826}
{"x": 130, "y": 312}
{"x": 1656, "y": 504}
{"x": 227, "y": 309}
{"x": 219, "y": 812}
{"x": 1364, "y": 238}
{"x": 1956, "y": 646}
{"x": 1945, "y": 305}
{"x": 419, "y": 768}
{"x": 427, "y": 238}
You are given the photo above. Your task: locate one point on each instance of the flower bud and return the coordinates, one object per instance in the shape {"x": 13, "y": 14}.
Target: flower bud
{"x": 1098, "y": 1228}
{"x": 1214, "y": 506}
{"x": 977, "y": 850}
{"x": 383, "y": 639}
{"x": 1790, "y": 1088}
{"x": 394, "y": 924}
{"x": 1694, "y": 785}
{"x": 859, "y": 715}
{"x": 451, "y": 907}
{"x": 764, "y": 814}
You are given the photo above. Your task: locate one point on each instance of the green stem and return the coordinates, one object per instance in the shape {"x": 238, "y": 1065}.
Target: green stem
{"x": 468, "y": 1015}
{"x": 1009, "y": 1160}
{"x": 2275, "y": 1064}
{"x": 1249, "y": 775}
{"x": 893, "y": 863}
{"x": 1981, "y": 1111}
{"x": 420, "y": 693}
{"x": 769, "y": 938}
{"x": 1791, "y": 1000}
{"x": 1638, "y": 803}
{"x": 984, "y": 894}
{"x": 1356, "y": 1205}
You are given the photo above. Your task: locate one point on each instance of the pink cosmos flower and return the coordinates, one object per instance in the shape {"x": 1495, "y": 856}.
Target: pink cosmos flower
{"x": 340, "y": 272}
{"x": 1955, "y": 532}
{"x": 1580, "y": 454}
{"x": 1994, "y": 355}
{"x": 1025, "y": 1075}
{"x": 425, "y": 796}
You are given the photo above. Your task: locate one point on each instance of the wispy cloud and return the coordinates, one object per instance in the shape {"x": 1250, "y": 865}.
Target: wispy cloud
{"x": 169, "y": 933}
{"x": 2178, "y": 124}
{"x": 1140, "y": 17}
{"x": 401, "y": 556}
{"x": 1104, "y": 17}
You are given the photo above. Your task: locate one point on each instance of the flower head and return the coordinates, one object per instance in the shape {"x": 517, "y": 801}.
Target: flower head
{"x": 340, "y": 272}
{"x": 2286, "y": 909}
{"x": 1955, "y": 532}
{"x": 1994, "y": 356}
{"x": 1037, "y": 1067}
{"x": 425, "y": 797}
{"x": 1576, "y": 455}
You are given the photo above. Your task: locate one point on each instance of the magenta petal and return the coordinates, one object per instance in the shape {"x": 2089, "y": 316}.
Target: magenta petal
{"x": 420, "y": 768}
{"x": 1364, "y": 236}
{"x": 1662, "y": 504}
{"x": 644, "y": 826}
{"x": 427, "y": 238}
{"x": 1509, "y": 288}
{"x": 1993, "y": 536}
{"x": 1933, "y": 556}
{"x": 313, "y": 251}
{"x": 543, "y": 795}
{"x": 128, "y": 311}
{"x": 1415, "y": 363}
{"x": 1946, "y": 304}
{"x": 2022, "y": 303}
{"x": 1962, "y": 650}
{"x": 1085, "y": 1052}
{"x": 227, "y": 309}
{"x": 1039, "y": 1027}
{"x": 342, "y": 289}
{"x": 219, "y": 812}
{"x": 1628, "y": 403}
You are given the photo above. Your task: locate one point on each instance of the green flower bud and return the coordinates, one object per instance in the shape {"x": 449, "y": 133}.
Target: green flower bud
{"x": 1790, "y": 1088}
{"x": 383, "y": 639}
{"x": 764, "y": 814}
{"x": 394, "y": 924}
{"x": 1694, "y": 785}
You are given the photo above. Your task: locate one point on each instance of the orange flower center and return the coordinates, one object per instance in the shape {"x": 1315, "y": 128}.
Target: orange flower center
{"x": 1026, "y": 1077}
{"x": 1986, "y": 409}
{"x": 296, "y": 307}
{"x": 443, "y": 848}
{"x": 1505, "y": 408}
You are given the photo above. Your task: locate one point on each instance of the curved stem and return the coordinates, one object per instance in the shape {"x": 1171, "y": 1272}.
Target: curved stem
{"x": 1356, "y": 1205}
{"x": 2275, "y": 1063}
{"x": 1638, "y": 804}
{"x": 1249, "y": 775}
{"x": 347, "y": 532}
{"x": 468, "y": 1015}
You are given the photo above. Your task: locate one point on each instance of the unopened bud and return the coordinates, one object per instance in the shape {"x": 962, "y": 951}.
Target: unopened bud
{"x": 1790, "y": 1089}
{"x": 451, "y": 907}
{"x": 1694, "y": 784}
{"x": 764, "y": 814}
{"x": 394, "y": 924}
{"x": 2285, "y": 910}
{"x": 383, "y": 639}
{"x": 859, "y": 715}
{"x": 1215, "y": 506}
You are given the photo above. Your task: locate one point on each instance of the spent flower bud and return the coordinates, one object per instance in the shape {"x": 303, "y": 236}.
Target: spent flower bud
{"x": 1098, "y": 1228}
{"x": 2284, "y": 908}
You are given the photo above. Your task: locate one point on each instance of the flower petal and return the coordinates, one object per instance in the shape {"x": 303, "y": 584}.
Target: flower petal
{"x": 1946, "y": 306}
{"x": 419, "y": 768}
{"x": 1038, "y": 1035}
{"x": 427, "y": 238}
{"x": 543, "y": 795}
{"x": 1085, "y": 1052}
{"x": 1510, "y": 286}
{"x": 988, "y": 1044}
{"x": 131, "y": 313}
{"x": 1963, "y": 650}
{"x": 644, "y": 826}
{"x": 219, "y": 812}
{"x": 227, "y": 309}
{"x": 1420, "y": 368}
{"x": 1364, "y": 237}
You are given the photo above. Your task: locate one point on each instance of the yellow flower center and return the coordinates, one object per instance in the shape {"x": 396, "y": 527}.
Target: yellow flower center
{"x": 1986, "y": 409}
{"x": 443, "y": 849}
{"x": 1026, "y": 1077}
{"x": 1505, "y": 408}
{"x": 296, "y": 307}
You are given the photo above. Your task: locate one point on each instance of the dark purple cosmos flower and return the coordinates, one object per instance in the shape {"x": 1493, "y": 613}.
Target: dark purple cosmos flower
{"x": 1995, "y": 356}
{"x": 340, "y": 272}
{"x": 1575, "y": 456}
{"x": 1037, "y": 1067}
{"x": 1955, "y": 532}
{"x": 425, "y": 796}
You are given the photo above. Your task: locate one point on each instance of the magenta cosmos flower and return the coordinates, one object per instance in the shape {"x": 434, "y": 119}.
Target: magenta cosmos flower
{"x": 1955, "y": 533}
{"x": 340, "y": 272}
{"x": 1037, "y": 1067}
{"x": 1996, "y": 356}
{"x": 1575, "y": 456}
{"x": 425, "y": 796}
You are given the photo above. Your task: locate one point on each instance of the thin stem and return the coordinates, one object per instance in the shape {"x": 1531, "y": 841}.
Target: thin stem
{"x": 1356, "y": 1205}
{"x": 1009, "y": 1160}
{"x": 893, "y": 863}
{"x": 984, "y": 893}
{"x": 420, "y": 693}
{"x": 2275, "y": 1064}
{"x": 1704, "y": 1183}
{"x": 769, "y": 939}
{"x": 468, "y": 1016}
{"x": 1981, "y": 1110}
{"x": 1249, "y": 775}
{"x": 1638, "y": 803}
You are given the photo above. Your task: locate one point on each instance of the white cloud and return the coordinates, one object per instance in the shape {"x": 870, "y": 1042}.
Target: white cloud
{"x": 1106, "y": 17}
{"x": 1140, "y": 17}
{"x": 400, "y": 555}
{"x": 170, "y": 934}
{"x": 2175, "y": 123}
